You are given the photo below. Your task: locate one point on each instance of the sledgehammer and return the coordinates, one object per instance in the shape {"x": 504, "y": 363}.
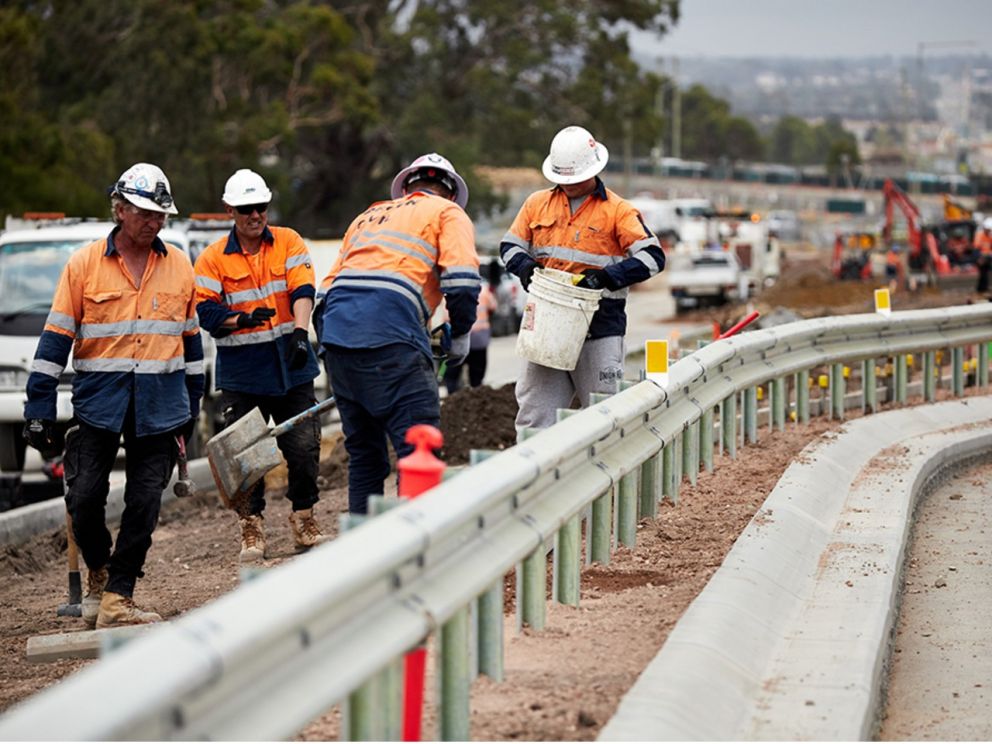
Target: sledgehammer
{"x": 74, "y": 607}
{"x": 183, "y": 486}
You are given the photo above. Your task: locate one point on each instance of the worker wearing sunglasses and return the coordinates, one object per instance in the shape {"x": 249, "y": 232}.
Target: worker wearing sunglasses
{"x": 254, "y": 295}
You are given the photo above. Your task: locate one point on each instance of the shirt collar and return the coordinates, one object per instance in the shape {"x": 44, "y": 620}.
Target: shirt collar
{"x": 599, "y": 192}
{"x": 157, "y": 245}
{"x": 233, "y": 246}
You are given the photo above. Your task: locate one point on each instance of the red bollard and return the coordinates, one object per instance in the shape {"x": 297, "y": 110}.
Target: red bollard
{"x": 419, "y": 471}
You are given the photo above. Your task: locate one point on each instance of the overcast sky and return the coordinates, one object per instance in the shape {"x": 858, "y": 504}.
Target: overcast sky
{"x": 825, "y": 28}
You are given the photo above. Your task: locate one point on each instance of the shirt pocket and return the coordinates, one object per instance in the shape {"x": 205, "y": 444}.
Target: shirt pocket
{"x": 238, "y": 286}
{"x": 169, "y": 306}
{"x": 102, "y": 307}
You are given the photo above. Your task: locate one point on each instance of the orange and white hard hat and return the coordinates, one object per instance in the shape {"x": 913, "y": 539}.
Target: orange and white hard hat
{"x": 145, "y": 186}
{"x": 575, "y": 156}
{"x": 436, "y": 167}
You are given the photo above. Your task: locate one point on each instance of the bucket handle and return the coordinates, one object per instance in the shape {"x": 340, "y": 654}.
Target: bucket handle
{"x": 581, "y": 306}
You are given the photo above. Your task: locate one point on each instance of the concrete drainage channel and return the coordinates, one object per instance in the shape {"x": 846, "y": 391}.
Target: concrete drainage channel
{"x": 790, "y": 638}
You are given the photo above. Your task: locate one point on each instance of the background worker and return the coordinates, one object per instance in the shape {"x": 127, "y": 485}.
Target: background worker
{"x": 983, "y": 251}
{"x": 398, "y": 258}
{"x": 255, "y": 291}
{"x": 581, "y": 227}
{"x": 125, "y": 308}
{"x": 479, "y": 338}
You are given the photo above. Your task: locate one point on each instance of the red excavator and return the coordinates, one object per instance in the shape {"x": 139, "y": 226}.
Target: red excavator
{"x": 943, "y": 249}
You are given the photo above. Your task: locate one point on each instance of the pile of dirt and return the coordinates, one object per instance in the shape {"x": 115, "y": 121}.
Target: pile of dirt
{"x": 477, "y": 418}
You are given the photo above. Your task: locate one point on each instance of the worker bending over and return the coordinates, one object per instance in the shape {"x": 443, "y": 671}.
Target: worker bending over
{"x": 582, "y": 227}
{"x": 124, "y": 306}
{"x": 255, "y": 291}
{"x": 398, "y": 258}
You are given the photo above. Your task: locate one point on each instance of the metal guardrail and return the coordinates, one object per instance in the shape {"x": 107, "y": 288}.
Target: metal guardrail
{"x": 266, "y": 659}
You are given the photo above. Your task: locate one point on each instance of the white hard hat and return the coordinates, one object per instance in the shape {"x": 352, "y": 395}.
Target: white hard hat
{"x": 246, "y": 187}
{"x": 987, "y": 223}
{"x": 145, "y": 186}
{"x": 575, "y": 156}
{"x": 433, "y": 166}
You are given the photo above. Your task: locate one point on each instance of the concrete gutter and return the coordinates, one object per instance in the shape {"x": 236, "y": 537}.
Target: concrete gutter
{"x": 790, "y": 638}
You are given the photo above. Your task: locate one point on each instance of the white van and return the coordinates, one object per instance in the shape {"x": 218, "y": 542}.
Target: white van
{"x": 31, "y": 262}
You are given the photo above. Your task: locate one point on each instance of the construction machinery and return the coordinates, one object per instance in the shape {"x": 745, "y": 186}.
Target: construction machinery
{"x": 852, "y": 255}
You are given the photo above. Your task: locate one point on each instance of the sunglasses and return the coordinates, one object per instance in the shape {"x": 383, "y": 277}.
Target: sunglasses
{"x": 247, "y": 209}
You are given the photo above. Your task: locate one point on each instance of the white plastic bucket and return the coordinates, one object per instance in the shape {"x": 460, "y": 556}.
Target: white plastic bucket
{"x": 556, "y": 320}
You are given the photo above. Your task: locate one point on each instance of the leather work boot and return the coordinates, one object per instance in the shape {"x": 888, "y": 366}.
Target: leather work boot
{"x": 306, "y": 531}
{"x": 117, "y": 610}
{"x": 96, "y": 580}
{"x": 252, "y": 539}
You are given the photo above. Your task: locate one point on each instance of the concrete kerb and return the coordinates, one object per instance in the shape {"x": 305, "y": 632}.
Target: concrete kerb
{"x": 790, "y": 638}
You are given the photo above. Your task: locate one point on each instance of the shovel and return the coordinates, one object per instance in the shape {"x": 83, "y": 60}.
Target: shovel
{"x": 244, "y": 452}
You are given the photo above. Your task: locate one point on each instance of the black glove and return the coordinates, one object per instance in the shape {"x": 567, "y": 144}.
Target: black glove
{"x": 526, "y": 274}
{"x": 187, "y": 429}
{"x": 595, "y": 279}
{"x": 257, "y": 318}
{"x": 40, "y": 435}
{"x": 298, "y": 349}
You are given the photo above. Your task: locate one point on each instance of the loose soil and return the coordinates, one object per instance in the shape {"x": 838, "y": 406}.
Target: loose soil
{"x": 561, "y": 684}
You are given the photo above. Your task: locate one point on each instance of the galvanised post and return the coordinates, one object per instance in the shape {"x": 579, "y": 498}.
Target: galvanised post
{"x": 491, "y": 632}
{"x": 802, "y": 396}
{"x": 362, "y": 715}
{"x": 983, "y": 364}
{"x": 902, "y": 379}
{"x": 706, "y": 439}
{"x": 728, "y": 425}
{"x": 392, "y": 699}
{"x": 957, "y": 371}
{"x": 568, "y": 545}
{"x": 668, "y": 470}
{"x": 679, "y": 441}
{"x": 751, "y": 415}
{"x": 455, "y": 680}
{"x": 929, "y": 376}
{"x": 531, "y": 592}
{"x": 690, "y": 462}
{"x": 627, "y": 511}
{"x": 869, "y": 385}
{"x": 601, "y": 533}
{"x": 556, "y": 567}
{"x": 837, "y": 391}
{"x": 778, "y": 403}
{"x": 649, "y": 482}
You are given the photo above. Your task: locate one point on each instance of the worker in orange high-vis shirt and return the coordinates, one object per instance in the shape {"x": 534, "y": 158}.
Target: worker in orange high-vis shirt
{"x": 582, "y": 227}
{"x": 398, "y": 259}
{"x": 124, "y": 307}
{"x": 255, "y": 291}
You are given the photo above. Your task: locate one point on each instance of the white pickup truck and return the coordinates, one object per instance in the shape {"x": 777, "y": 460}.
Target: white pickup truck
{"x": 701, "y": 278}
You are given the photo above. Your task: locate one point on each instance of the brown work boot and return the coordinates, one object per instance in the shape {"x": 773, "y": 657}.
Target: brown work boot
{"x": 252, "y": 539}
{"x": 117, "y": 610}
{"x": 306, "y": 531}
{"x": 96, "y": 580}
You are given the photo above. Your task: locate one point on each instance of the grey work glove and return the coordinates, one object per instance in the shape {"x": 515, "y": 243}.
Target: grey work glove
{"x": 458, "y": 350}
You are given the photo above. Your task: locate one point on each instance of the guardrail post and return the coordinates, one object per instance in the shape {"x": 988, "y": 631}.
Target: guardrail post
{"x": 929, "y": 376}
{"x": 627, "y": 510}
{"x": 599, "y": 551}
{"x": 802, "y": 396}
{"x": 983, "y": 364}
{"x": 649, "y": 486}
{"x": 778, "y": 403}
{"x": 568, "y": 543}
{"x": 489, "y": 613}
{"x": 706, "y": 439}
{"x": 454, "y": 673}
{"x": 957, "y": 371}
{"x": 869, "y": 386}
{"x": 679, "y": 441}
{"x": 728, "y": 425}
{"x": 837, "y": 391}
{"x": 902, "y": 378}
{"x": 751, "y": 415}
{"x": 690, "y": 459}
{"x": 531, "y": 575}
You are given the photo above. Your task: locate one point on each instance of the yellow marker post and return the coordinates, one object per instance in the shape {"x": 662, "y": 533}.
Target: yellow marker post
{"x": 883, "y": 303}
{"x": 656, "y": 362}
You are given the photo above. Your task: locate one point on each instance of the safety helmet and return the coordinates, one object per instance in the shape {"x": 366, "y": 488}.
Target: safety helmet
{"x": 987, "y": 223}
{"x": 575, "y": 156}
{"x": 145, "y": 186}
{"x": 432, "y": 167}
{"x": 246, "y": 187}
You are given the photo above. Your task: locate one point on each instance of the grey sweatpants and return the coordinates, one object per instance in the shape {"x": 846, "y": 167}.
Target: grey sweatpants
{"x": 541, "y": 391}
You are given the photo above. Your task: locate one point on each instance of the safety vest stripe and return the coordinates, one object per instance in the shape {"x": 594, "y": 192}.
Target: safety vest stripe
{"x": 254, "y": 295}
{"x": 413, "y": 297}
{"x": 192, "y": 326}
{"x": 470, "y": 270}
{"x": 138, "y": 366}
{"x": 574, "y": 255}
{"x": 47, "y": 368}
{"x": 256, "y": 337}
{"x": 207, "y": 283}
{"x": 133, "y": 327}
{"x": 375, "y": 273}
{"x": 464, "y": 282}
{"x": 648, "y": 260}
{"x": 194, "y": 368}
{"x": 299, "y": 259}
{"x": 616, "y": 294}
{"x": 431, "y": 250}
{"x": 512, "y": 252}
{"x": 61, "y": 320}
{"x": 380, "y": 243}
{"x": 512, "y": 239}
{"x": 641, "y": 244}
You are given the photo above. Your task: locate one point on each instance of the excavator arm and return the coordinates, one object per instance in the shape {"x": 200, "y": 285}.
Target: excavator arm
{"x": 920, "y": 240}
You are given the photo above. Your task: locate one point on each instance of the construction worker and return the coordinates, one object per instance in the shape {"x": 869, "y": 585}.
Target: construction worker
{"x": 983, "y": 249}
{"x": 893, "y": 267}
{"x": 398, "y": 258}
{"x": 582, "y": 227}
{"x": 255, "y": 290}
{"x": 125, "y": 307}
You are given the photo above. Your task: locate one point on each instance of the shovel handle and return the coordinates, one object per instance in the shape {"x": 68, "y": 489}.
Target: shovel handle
{"x": 312, "y": 411}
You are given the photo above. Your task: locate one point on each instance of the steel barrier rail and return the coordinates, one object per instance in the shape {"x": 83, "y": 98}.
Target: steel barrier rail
{"x": 264, "y": 660}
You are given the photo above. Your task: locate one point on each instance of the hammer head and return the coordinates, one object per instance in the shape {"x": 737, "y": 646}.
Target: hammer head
{"x": 183, "y": 488}
{"x": 69, "y": 610}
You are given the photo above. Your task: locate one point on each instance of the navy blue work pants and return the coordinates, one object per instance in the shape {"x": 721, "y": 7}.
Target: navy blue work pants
{"x": 380, "y": 393}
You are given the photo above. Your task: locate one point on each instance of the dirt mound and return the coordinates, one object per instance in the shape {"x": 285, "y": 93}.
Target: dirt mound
{"x": 477, "y": 418}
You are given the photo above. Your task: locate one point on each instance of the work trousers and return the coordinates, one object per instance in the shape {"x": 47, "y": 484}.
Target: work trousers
{"x": 476, "y": 363}
{"x": 380, "y": 393}
{"x": 89, "y": 457}
{"x": 300, "y": 445}
{"x": 541, "y": 391}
